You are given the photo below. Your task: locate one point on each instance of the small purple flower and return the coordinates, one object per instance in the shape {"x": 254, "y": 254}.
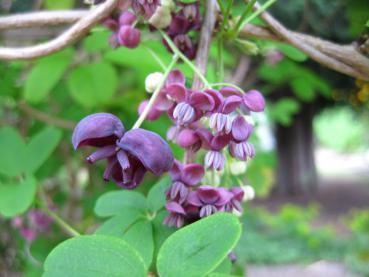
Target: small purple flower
{"x": 176, "y": 215}
{"x": 38, "y": 219}
{"x": 146, "y": 8}
{"x": 127, "y": 18}
{"x": 209, "y": 199}
{"x": 29, "y": 234}
{"x": 252, "y": 100}
{"x": 183, "y": 177}
{"x": 242, "y": 150}
{"x": 240, "y": 130}
{"x": 192, "y": 14}
{"x": 129, "y": 36}
{"x": 214, "y": 158}
{"x": 235, "y": 201}
{"x": 130, "y": 155}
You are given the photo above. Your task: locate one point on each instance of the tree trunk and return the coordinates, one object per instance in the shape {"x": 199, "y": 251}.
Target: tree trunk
{"x": 295, "y": 149}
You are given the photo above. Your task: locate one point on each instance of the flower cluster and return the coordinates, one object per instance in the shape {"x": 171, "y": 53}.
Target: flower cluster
{"x": 211, "y": 120}
{"x": 186, "y": 203}
{"x": 129, "y": 154}
{"x": 176, "y": 18}
{"x": 35, "y": 222}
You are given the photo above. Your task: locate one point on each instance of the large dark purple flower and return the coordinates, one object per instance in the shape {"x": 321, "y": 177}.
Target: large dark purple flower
{"x": 183, "y": 176}
{"x": 209, "y": 199}
{"x": 130, "y": 155}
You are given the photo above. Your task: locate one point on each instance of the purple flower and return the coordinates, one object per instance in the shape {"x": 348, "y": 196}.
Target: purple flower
{"x": 252, "y": 100}
{"x": 192, "y": 14}
{"x": 242, "y": 150}
{"x": 38, "y": 219}
{"x": 183, "y": 177}
{"x": 28, "y": 233}
{"x": 209, "y": 199}
{"x": 235, "y": 201}
{"x": 127, "y": 18}
{"x": 240, "y": 130}
{"x": 176, "y": 215}
{"x": 130, "y": 155}
{"x": 146, "y": 8}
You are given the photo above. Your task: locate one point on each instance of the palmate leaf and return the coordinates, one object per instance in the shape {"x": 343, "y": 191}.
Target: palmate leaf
{"x": 94, "y": 256}
{"x": 199, "y": 248}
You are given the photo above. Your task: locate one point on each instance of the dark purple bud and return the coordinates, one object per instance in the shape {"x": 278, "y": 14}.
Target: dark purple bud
{"x": 99, "y": 129}
{"x": 129, "y": 36}
{"x": 127, "y": 18}
{"x": 254, "y": 101}
{"x": 241, "y": 130}
{"x": 242, "y": 150}
{"x": 149, "y": 148}
{"x": 192, "y": 14}
{"x": 178, "y": 26}
{"x": 184, "y": 43}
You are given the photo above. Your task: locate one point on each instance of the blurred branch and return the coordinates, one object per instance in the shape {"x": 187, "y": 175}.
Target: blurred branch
{"x": 204, "y": 41}
{"x": 342, "y": 58}
{"x": 241, "y": 70}
{"x": 44, "y": 18}
{"x": 65, "y": 39}
{"x": 44, "y": 117}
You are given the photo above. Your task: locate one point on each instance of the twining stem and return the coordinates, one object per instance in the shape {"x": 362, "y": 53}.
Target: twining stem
{"x": 156, "y": 93}
{"x": 185, "y": 59}
{"x": 58, "y": 220}
{"x": 240, "y": 21}
{"x": 227, "y": 85}
{"x": 156, "y": 57}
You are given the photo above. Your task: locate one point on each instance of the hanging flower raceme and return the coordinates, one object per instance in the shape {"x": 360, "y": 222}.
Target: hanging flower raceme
{"x": 129, "y": 154}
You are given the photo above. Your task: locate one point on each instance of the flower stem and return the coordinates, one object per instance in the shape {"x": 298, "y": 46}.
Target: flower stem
{"x": 185, "y": 59}
{"x": 227, "y": 85}
{"x": 155, "y": 94}
{"x": 58, "y": 220}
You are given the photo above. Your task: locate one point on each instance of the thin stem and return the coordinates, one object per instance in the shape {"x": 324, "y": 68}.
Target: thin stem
{"x": 265, "y": 6}
{"x": 156, "y": 57}
{"x": 226, "y": 16}
{"x": 185, "y": 59}
{"x": 220, "y": 58}
{"x": 248, "y": 9}
{"x": 227, "y": 85}
{"x": 221, "y": 6}
{"x": 155, "y": 94}
{"x": 58, "y": 220}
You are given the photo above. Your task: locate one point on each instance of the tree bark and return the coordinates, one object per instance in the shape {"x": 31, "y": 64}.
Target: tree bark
{"x": 296, "y": 173}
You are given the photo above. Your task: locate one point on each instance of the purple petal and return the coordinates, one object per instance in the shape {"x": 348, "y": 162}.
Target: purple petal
{"x": 219, "y": 142}
{"x": 238, "y": 193}
{"x": 192, "y": 174}
{"x": 127, "y": 18}
{"x": 153, "y": 113}
{"x": 231, "y": 103}
{"x": 229, "y": 91}
{"x": 208, "y": 194}
{"x": 123, "y": 159}
{"x": 177, "y": 91}
{"x": 154, "y": 153}
{"x": 217, "y": 97}
{"x": 202, "y": 101}
{"x": 254, "y": 101}
{"x": 175, "y": 77}
{"x": 194, "y": 199}
{"x": 174, "y": 207}
{"x": 205, "y": 137}
{"x": 225, "y": 197}
{"x": 241, "y": 130}
{"x": 162, "y": 103}
{"x": 99, "y": 129}
{"x": 186, "y": 138}
{"x": 176, "y": 170}
{"x": 109, "y": 168}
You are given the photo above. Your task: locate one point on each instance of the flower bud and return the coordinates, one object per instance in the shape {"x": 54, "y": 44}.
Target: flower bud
{"x": 152, "y": 81}
{"x": 129, "y": 36}
{"x": 249, "y": 193}
{"x": 161, "y": 18}
{"x": 238, "y": 167}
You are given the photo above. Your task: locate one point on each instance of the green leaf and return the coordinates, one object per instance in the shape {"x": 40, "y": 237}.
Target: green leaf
{"x": 303, "y": 89}
{"x": 16, "y": 198}
{"x": 188, "y": 1}
{"x": 161, "y": 231}
{"x": 156, "y": 196}
{"x": 45, "y": 74}
{"x": 97, "y": 41}
{"x": 12, "y": 149}
{"x": 217, "y": 274}
{"x": 59, "y": 5}
{"x": 40, "y": 148}
{"x": 283, "y": 110}
{"x": 224, "y": 267}
{"x": 118, "y": 224}
{"x": 94, "y": 256}
{"x": 199, "y": 248}
{"x": 93, "y": 84}
{"x": 140, "y": 237}
{"x": 367, "y": 24}
{"x": 116, "y": 202}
